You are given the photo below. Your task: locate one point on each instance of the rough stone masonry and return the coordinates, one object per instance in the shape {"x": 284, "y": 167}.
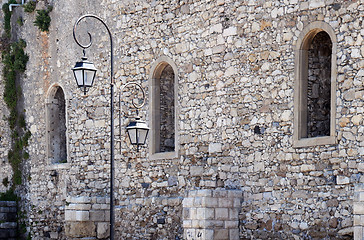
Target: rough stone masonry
{"x": 256, "y": 109}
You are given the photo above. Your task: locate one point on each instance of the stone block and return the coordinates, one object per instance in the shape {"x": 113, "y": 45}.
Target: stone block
{"x": 358, "y": 233}
{"x": 216, "y": 28}
{"x": 205, "y": 213}
{"x": 7, "y": 209}
{"x": 361, "y": 167}
{"x": 221, "y": 234}
{"x": 195, "y": 223}
{"x": 8, "y": 233}
{"x": 189, "y": 234}
{"x": 188, "y": 202}
{"x": 209, "y": 213}
{"x": 80, "y": 229}
{"x": 213, "y": 224}
{"x": 100, "y": 200}
{"x": 200, "y": 213}
{"x": 231, "y": 224}
{"x": 204, "y": 234}
{"x": 204, "y": 193}
{"x": 11, "y": 203}
{"x": 237, "y": 203}
{"x": 357, "y": 220}
{"x": 78, "y": 206}
{"x": 197, "y": 202}
{"x": 209, "y": 202}
{"x": 230, "y": 31}
{"x": 235, "y": 194}
{"x": 358, "y": 207}
{"x": 7, "y": 204}
{"x": 97, "y": 216}
{"x": 103, "y": 230}
{"x": 107, "y": 215}
{"x": 8, "y": 225}
{"x": 233, "y": 213}
{"x": 341, "y": 180}
{"x": 215, "y": 147}
{"x": 70, "y": 215}
{"x": 221, "y": 213}
{"x": 186, "y": 213}
{"x": 82, "y": 215}
{"x": 220, "y": 193}
{"x": 225, "y": 202}
{"x": 234, "y": 234}
{"x": 359, "y": 187}
{"x": 193, "y": 213}
{"x": 187, "y": 223}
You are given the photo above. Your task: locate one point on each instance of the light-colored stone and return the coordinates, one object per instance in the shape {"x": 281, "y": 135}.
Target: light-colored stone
{"x": 103, "y": 230}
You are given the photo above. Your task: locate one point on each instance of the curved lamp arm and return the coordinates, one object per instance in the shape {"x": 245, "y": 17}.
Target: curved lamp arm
{"x": 137, "y": 106}
{"x": 90, "y": 40}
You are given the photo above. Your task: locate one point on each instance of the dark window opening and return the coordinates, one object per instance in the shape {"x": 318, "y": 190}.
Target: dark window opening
{"x": 319, "y": 86}
{"x": 57, "y": 127}
{"x": 167, "y": 118}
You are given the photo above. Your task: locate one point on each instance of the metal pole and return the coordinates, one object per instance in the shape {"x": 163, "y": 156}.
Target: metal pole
{"x": 112, "y": 217}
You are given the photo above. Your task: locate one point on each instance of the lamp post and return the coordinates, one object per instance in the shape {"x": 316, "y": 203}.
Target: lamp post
{"x": 85, "y": 72}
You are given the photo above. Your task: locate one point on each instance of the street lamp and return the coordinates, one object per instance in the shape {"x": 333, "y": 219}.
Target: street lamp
{"x": 85, "y": 73}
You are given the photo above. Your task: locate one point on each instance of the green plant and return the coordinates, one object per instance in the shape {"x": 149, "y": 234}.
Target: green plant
{"x": 19, "y": 21}
{"x": 7, "y": 17}
{"x": 15, "y": 60}
{"x": 29, "y": 7}
{"x": 43, "y": 20}
{"x": 8, "y": 196}
{"x": 6, "y": 182}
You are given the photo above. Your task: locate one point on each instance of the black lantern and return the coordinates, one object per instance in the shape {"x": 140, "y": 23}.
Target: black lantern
{"x": 137, "y": 131}
{"x": 85, "y": 73}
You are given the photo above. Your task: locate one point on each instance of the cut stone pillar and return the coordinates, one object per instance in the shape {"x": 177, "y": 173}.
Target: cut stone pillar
{"x": 87, "y": 218}
{"x": 212, "y": 214}
{"x": 359, "y": 211}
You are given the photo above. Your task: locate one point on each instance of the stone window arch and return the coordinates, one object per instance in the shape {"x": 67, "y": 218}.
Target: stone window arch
{"x": 163, "y": 110}
{"x": 315, "y": 86}
{"x": 56, "y": 125}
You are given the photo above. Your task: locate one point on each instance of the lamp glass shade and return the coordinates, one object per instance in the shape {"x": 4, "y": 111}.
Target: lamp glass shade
{"x": 137, "y": 131}
{"x": 84, "y": 73}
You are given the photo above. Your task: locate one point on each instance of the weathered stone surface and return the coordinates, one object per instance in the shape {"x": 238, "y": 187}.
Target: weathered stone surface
{"x": 103, "y": 230}
{"x": 80, "y": 229}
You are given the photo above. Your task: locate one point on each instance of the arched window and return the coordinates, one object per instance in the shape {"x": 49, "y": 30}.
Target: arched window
{"x": 56, "y": 126}
{"x": 315, "y": 86}
{"x": 163, "y": 108}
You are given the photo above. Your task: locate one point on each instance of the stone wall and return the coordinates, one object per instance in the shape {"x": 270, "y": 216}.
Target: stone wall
{"x": 235, "y": 104}
{"x": 212, "y": 214}
{"x": 359, "y": 212}
{"x": 87, "y": 217}
{"x": 8, "y": 220}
